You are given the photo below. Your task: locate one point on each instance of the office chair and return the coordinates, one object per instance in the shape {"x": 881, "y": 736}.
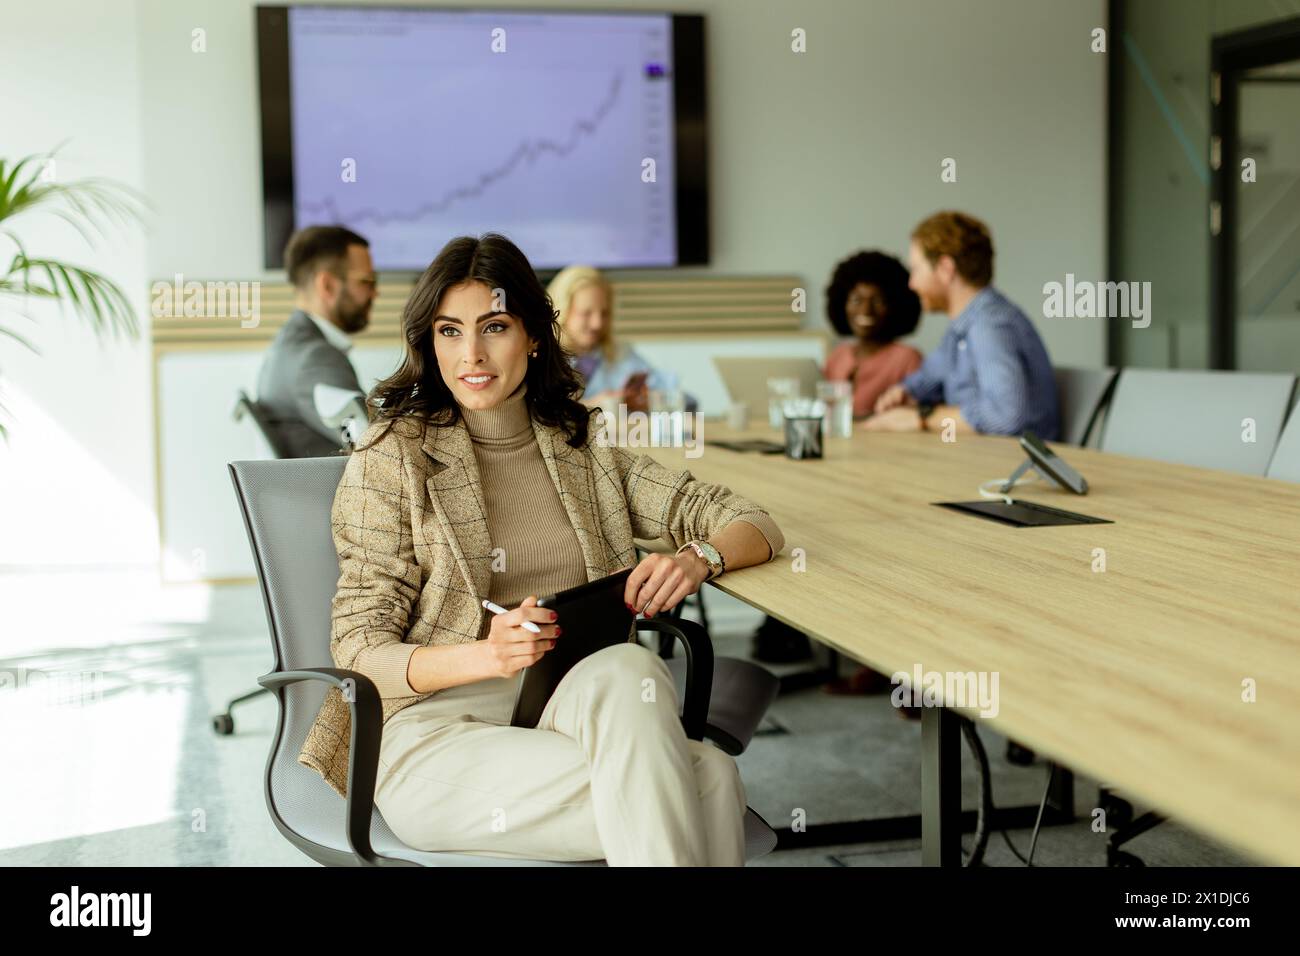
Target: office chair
{"x": 245, "y": 407}
{"x": 1082, "y": 395}
{"x": 1196, "y": 418}
{"x": 1285, "y": 463}
{"x": 742, "y": 690}
{"x": 286, "y": 508}
{"x": 1193, "y": 418}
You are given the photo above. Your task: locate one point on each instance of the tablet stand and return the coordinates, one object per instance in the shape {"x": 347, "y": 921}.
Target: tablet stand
{"x": 1028, "y": 465}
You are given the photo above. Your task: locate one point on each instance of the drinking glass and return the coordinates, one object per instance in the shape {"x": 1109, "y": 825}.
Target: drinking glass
{"x": 838, "y": 397}
{"x": 779, "y": 391}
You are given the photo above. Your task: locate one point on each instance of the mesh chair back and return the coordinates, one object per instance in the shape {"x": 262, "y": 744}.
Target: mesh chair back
{"x": 1198, "y": 418}
{"x": 286, "y": 506}
{"x": 257, "y": 413}
{"x": 1082, "y": 393}
{"x": 1286, "y": 459}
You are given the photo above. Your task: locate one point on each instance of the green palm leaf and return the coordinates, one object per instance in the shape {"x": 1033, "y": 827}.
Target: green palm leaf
{"x": 96, "y": 208}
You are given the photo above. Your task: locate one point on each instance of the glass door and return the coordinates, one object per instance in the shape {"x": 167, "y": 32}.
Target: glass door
{"x": 1266, "y": 185}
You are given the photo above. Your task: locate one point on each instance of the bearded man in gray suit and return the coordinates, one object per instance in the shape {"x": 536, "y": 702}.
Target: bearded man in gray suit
{"x": 335, "y": 285}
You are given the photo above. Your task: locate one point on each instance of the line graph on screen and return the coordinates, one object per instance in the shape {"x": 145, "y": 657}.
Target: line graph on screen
{"x": 527, "y": 152}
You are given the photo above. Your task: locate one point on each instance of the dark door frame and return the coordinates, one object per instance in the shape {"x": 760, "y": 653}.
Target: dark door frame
{"x": 1230, "y": 55}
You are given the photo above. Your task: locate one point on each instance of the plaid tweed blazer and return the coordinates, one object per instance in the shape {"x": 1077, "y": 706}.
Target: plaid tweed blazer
{"x": 415, "y": 558}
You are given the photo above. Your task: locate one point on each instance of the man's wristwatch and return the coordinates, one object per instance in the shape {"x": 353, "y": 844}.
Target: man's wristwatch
{"x": 924, "y": 410}
{"x": 711, "y": 556}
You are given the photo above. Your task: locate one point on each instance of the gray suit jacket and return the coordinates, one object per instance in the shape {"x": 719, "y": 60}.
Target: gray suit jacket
{"x": 301, "y": 357}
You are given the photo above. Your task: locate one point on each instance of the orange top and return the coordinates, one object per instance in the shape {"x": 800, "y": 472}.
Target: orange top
{"x": 870, "y": 375}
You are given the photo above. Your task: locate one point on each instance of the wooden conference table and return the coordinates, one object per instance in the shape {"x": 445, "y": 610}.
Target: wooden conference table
{"x": 1134, "y": 674}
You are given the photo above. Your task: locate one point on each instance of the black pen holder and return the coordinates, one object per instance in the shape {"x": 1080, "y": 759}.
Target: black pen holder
{"x": 803, "y": 437}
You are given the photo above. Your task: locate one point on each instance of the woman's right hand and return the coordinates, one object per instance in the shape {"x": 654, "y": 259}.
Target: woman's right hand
{"x": 510, "y": 647}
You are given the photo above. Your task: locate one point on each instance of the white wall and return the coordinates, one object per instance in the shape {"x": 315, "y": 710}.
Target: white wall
{"x": 812, "y": 156}
{"x": 76, "y": 478}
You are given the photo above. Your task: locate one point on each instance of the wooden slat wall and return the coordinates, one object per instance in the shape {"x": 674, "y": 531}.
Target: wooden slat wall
{"x": 676, "y": 305}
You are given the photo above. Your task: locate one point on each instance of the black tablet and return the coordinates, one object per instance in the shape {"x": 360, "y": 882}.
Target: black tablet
{"x": 1021, "y": 513}
{"x": 761, "y": 445}
{"x": 592, "y": 616}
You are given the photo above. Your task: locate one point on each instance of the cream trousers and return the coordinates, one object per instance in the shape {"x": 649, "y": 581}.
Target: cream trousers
{"x": 608, "y": 773}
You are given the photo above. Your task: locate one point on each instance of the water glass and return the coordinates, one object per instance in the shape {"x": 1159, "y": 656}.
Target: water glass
{"x": 779, "y": 391}
{"x": 838, "y": 397}
{"x": 667, "y": 408}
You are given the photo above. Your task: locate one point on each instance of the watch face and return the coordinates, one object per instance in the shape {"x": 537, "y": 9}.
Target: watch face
{"x": 707, "y": 553}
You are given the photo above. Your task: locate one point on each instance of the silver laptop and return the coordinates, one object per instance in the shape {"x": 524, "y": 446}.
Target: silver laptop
{"x": 746, "y": 379}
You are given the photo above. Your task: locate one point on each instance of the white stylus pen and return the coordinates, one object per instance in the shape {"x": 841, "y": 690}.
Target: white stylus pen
{"x": 498, "y": 609}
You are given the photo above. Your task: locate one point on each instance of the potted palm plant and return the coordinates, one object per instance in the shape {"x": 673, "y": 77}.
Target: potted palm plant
{"x": 94, "y": 207}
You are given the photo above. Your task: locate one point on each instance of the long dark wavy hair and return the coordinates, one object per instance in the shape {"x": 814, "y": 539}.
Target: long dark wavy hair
{"x": 416, "y": 392}
{"x": 902, "y": 306}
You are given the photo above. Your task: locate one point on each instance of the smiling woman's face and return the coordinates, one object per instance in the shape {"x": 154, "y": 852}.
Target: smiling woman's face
{"x": 588, "y": 318}
{"x": 482, "y": 354}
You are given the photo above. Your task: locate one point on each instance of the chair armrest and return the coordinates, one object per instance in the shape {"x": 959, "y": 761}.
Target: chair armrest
{"x": 699, "y": 669}
{"x": 363, "y": 750}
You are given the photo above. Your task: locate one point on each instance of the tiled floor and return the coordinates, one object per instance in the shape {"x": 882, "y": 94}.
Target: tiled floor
{"x": 119, "y": 766}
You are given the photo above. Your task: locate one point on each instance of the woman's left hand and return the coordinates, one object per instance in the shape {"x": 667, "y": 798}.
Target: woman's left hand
{"x": 662, "y": 580}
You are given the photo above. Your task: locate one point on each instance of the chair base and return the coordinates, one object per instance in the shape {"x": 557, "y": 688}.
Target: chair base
{"x": 224, "y": 723}
{"x": 908, "y": 827}
{"x": 1121, "y": 827}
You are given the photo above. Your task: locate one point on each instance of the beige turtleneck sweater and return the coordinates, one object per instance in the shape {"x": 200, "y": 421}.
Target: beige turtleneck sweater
{"x": 526, "y": 519}
{"x": 539, "y": 551}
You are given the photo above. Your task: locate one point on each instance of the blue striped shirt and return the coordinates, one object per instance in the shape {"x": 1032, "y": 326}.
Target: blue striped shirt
{"x": 992, "y": 364}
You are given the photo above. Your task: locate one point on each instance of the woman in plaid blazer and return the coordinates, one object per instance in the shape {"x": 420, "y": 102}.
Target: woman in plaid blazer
{"x": 479, "y": 438}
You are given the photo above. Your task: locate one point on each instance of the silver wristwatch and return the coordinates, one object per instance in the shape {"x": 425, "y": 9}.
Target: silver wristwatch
{"x": 712, "y": 557}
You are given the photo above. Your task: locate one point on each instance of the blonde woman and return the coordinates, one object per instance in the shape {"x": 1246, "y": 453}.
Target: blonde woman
{"x": 613, "y": 371}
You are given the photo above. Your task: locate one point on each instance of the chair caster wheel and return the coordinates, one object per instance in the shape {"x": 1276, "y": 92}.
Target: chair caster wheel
{"x": 223, "y": 724}
{"x": 1118, "y": 811}
{"x": 1019, "y": 755}
{"x": 1121, "y": 859}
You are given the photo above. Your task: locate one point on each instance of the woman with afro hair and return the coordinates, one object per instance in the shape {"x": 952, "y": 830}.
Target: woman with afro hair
{"x": 868, "y": 298}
